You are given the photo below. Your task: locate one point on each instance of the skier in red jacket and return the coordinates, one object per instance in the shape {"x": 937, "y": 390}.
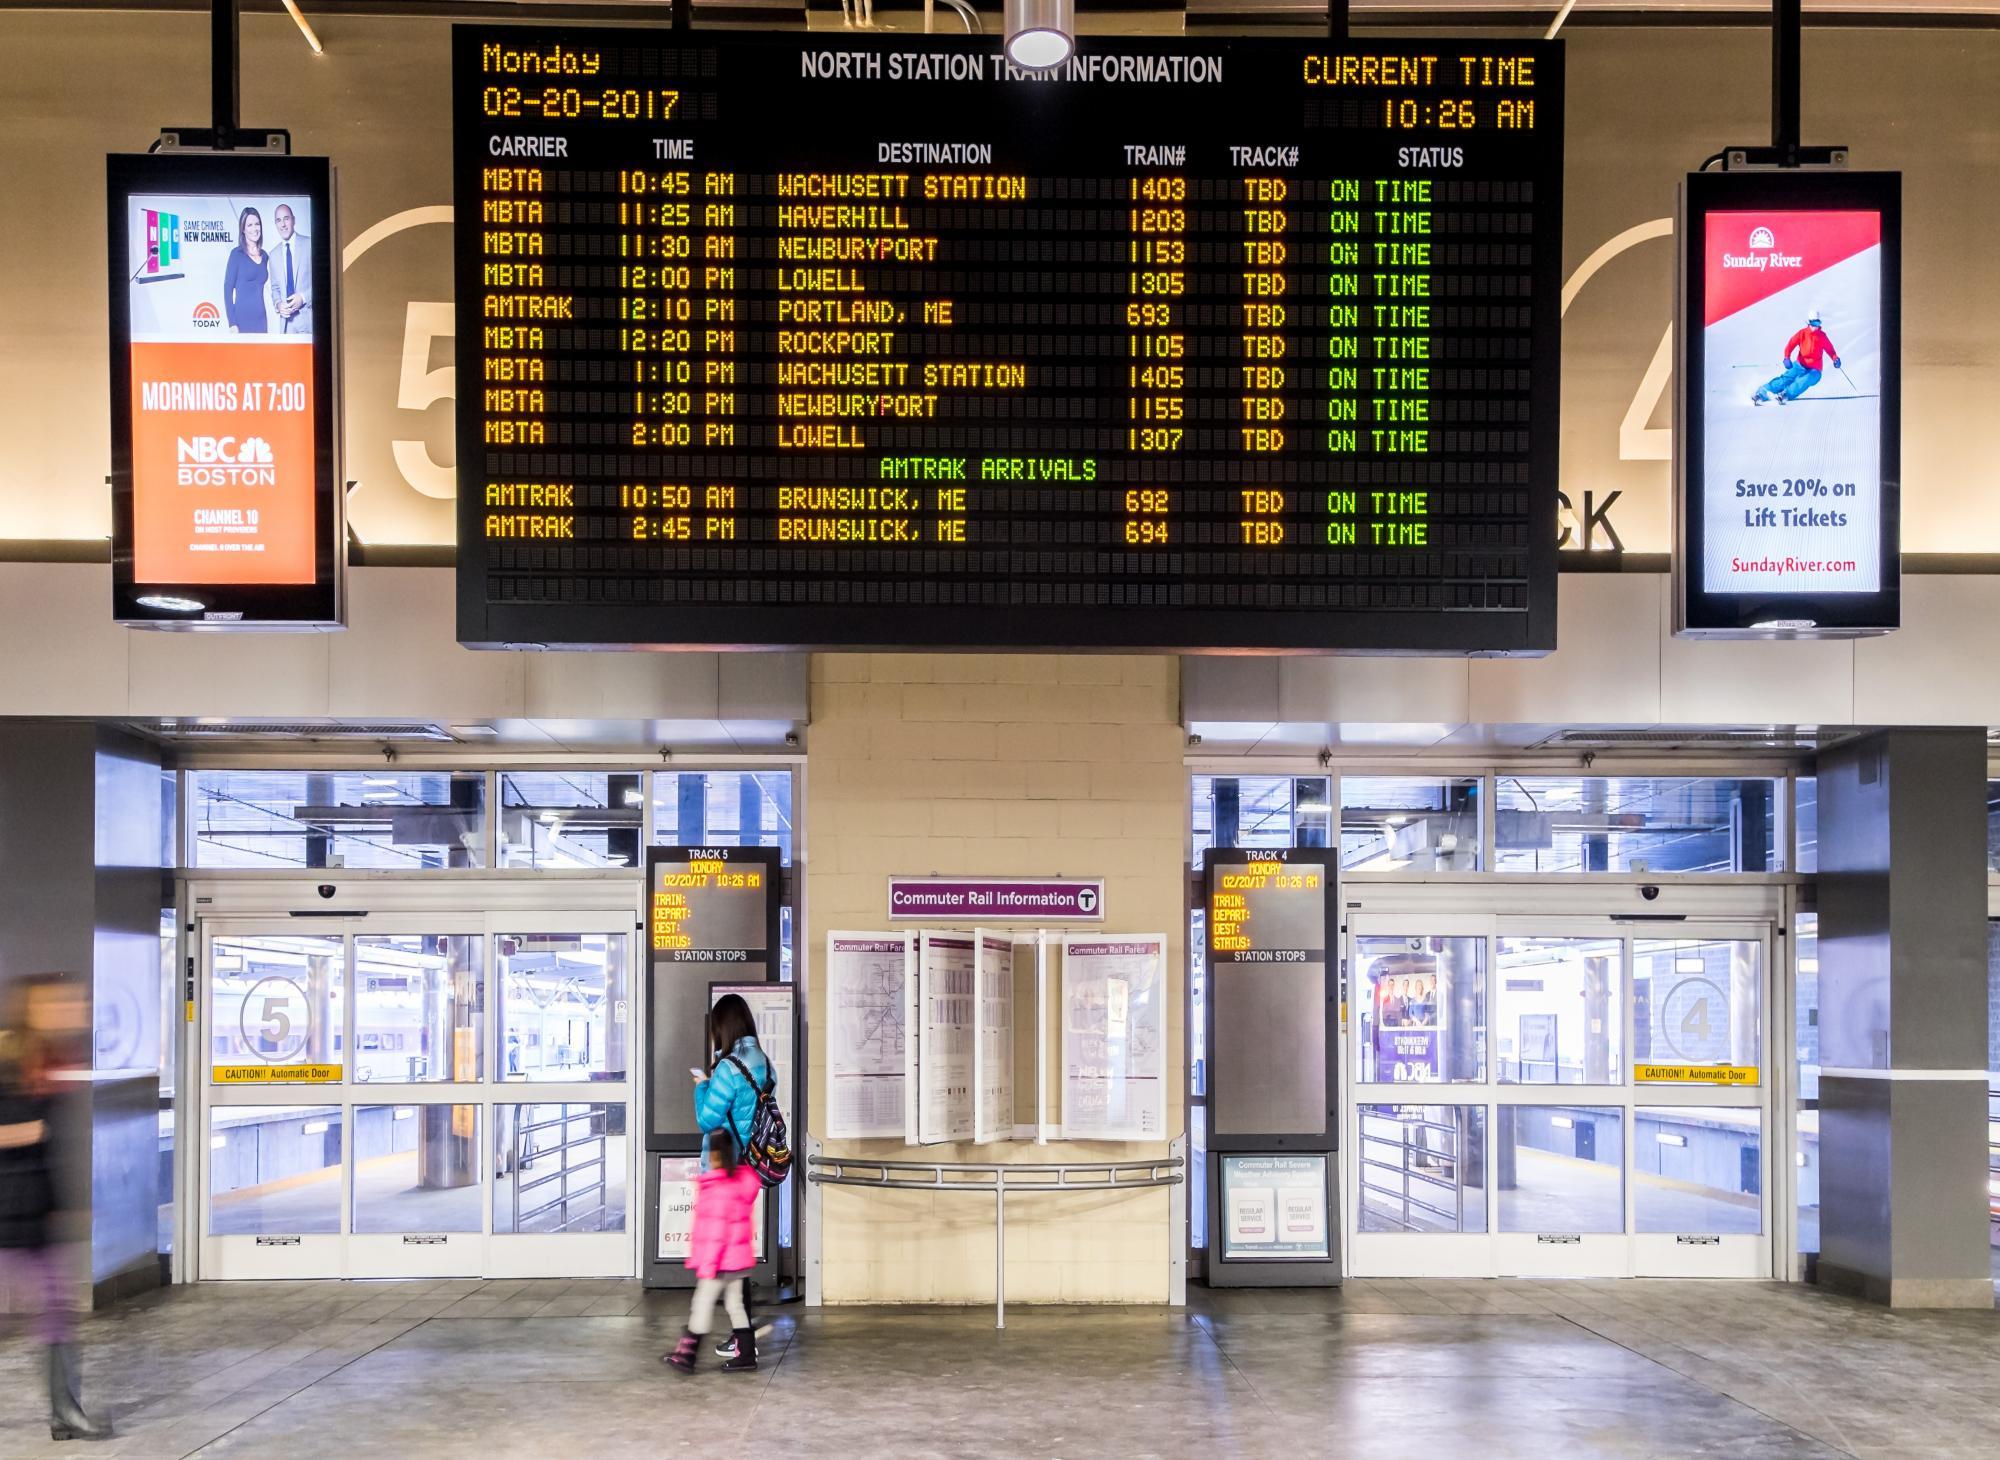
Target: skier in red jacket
{"x": 1805, "y": 352}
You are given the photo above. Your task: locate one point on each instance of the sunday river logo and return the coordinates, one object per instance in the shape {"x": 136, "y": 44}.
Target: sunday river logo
{"x": 1770, "y": 258}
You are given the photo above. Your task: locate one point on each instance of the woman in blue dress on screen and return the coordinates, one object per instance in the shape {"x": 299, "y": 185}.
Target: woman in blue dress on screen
{"x": 245, "y": 279}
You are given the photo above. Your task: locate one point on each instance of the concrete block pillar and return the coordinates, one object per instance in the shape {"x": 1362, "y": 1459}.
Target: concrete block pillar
{"x": 1902, "y": 966}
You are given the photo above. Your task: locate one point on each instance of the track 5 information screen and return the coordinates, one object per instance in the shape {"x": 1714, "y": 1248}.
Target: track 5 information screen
{"x": 780, "y": 340}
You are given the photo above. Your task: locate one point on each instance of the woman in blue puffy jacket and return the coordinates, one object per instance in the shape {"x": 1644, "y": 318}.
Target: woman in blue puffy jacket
{"x": 727, "y": 1099}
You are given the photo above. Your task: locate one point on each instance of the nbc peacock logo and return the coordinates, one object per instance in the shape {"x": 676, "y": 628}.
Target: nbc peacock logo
{"x": 206, "y": 316}
{"x": 163, "y": 239}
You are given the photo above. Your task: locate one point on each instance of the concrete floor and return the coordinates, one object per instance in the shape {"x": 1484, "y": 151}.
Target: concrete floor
{"x": 1544, "y": 1371}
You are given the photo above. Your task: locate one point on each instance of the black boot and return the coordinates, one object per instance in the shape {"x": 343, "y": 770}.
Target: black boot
{"x": 685, "y": 1353}
{"x": 67, "y": 1421}
{"x": 746, "y": 1352}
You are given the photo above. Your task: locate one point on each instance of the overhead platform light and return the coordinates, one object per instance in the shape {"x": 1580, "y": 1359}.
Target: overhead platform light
{"x": 1040, "y": 33}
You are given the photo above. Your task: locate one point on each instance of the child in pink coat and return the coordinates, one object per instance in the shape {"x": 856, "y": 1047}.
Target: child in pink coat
{"x": 720, "y": 1252}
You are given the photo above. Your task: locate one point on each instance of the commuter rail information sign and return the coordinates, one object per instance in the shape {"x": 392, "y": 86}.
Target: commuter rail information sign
{"x": 771, "y": 340}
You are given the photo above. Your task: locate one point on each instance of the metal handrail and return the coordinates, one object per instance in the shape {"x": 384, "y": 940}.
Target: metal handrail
{"x": 997, "y": 1179}
{"x": 520, "y": 1160}
{"x": 1402, "y": 1168}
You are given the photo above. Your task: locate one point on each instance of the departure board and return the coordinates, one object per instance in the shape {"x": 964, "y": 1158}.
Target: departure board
{"x": 711, "y": 914}
{"x": 1271, "y": 936}
{"x": 782, "y": 340}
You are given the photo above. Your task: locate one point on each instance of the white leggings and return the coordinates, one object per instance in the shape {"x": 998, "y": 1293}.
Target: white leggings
{"x": 702, "y": 1315}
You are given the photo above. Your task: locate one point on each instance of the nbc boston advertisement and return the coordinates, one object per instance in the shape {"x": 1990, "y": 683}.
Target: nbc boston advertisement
{"x": 1792, "y": 348}
{"x": 221, "y": 301}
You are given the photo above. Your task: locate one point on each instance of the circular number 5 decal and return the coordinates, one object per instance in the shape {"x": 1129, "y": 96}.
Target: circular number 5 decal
{"x": 276, "y": 1018}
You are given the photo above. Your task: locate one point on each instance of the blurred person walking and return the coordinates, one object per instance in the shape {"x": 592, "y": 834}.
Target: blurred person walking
{"x": 43, "y": 1019}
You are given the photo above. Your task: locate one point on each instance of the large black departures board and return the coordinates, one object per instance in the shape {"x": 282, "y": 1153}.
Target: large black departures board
{"x": 781, "y": 340}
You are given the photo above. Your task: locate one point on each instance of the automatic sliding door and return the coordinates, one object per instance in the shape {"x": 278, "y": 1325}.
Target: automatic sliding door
{"x": 1418, "y": 1154}
{"x": 416, "y": 1095}
{"x": 1609, "y": 1118}
{"x": 1701, "y": 1165}
{"x": 273, "y": 1027}
{"x": 417, "y": 1108}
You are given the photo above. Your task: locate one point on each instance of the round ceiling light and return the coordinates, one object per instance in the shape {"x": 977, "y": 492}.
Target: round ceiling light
{"x": 1040, "y": 33}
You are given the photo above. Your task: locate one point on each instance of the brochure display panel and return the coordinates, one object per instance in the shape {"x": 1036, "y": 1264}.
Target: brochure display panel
{"x": 1114, "y": 1048}
{"x": 993, "y": 1038}
{"x": 867, "y": 980}
{"x": 947, "y": 974}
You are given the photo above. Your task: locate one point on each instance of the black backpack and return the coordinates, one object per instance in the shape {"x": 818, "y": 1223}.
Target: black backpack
{"x": 768, "y": 1148}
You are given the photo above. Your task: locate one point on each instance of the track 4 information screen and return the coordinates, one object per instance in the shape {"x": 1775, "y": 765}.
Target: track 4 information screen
{"x": 780, "y": 340}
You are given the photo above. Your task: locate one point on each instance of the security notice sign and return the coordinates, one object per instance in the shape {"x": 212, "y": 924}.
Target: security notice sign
{"x": 1649, "y": 1074}
{"x": 223, "y": 386}
{"x": 1789, "y": 443}
{"x": 1274, "y": 1207}
{"x": 276, "y": 1074}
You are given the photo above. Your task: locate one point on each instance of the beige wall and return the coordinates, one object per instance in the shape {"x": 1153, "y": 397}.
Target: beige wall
{"x": 997, "y": 764}
{"x": 1644, "y": 104}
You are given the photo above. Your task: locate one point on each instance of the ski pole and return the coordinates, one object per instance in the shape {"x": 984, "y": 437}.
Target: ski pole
{"x": 1848, "y": 378}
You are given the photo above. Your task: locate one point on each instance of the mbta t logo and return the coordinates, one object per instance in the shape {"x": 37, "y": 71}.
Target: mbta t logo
{"x": 1086, "y": 899}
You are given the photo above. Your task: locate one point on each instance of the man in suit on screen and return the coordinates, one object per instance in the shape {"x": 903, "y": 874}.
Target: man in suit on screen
{"x": 291, "y": 276}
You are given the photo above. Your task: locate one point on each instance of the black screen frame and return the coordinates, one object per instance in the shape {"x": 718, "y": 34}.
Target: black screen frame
{"x": 658, "y": 1141}
{"x": 1698, "y": 610}
{"x": 1530, "y": 631}
{"x": 1287, "y": 1270}
{"x": 316, "y": 605}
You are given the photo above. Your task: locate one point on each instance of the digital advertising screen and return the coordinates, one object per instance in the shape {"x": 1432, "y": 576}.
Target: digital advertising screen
{"x": 1790, "y": 350}
{"x": 224, "y": 417}
{"x": 813, "y": 340}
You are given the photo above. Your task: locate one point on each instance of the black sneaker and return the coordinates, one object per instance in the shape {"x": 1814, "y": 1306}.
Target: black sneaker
{"x": 727, "y": 1348}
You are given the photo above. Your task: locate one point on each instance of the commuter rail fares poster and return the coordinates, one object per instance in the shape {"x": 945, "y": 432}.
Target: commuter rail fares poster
{"x": 1789, "y": 472}
{"x": 227, "y": 462}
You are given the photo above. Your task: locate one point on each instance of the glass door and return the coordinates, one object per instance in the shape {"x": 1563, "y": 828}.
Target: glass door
{"x": 416, "y": 1097}
{"x": 1594, "y": 1101}
{"x": 357, "y": 1107}
{"x": 1703, "y": 1168}
{"x": 273, "y": 1036}
{"x": 561, "y": 1122}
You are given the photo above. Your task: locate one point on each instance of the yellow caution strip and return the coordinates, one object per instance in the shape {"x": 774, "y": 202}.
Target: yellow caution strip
{"x": 278, "y": 1074}
{"x": 1695, "y": 1074}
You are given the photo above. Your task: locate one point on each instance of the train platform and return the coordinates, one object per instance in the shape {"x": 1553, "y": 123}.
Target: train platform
{"x": 487, "y": 1370}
